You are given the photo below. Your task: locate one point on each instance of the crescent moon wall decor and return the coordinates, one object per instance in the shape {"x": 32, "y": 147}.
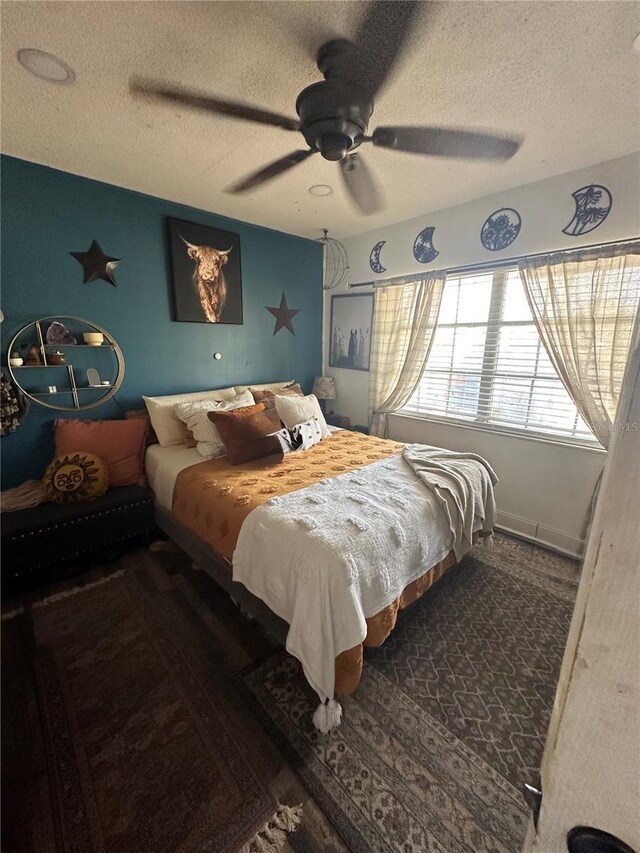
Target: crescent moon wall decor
{"x": 423, "y": 249}
{"x": 593, "y": 204}
{"x": 374, "y": 258}
{"x": 500, "y": 229}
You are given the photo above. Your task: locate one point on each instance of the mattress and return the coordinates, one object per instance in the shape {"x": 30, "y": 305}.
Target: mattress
{"x": 162, "y": 466}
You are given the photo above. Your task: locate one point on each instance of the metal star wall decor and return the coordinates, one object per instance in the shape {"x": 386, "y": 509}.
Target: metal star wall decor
{"x": 97, "y": 265}
{"x": 283, "y": 315}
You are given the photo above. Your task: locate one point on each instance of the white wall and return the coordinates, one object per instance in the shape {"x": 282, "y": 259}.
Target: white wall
{"x": 546, "y": 207}
{"x": 545, "y": 489}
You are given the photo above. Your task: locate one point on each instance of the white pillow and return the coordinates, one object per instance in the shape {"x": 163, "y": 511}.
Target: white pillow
{"x": 274, "y": 386}
{"x": 295, "y": 410}
{"x": 165, "y": 421}
{"x": 208, "y": 441}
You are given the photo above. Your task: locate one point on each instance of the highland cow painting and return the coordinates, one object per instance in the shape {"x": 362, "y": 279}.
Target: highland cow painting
{"x": 205, "y": 272}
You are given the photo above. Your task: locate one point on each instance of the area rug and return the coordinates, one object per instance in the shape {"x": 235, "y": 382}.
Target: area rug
{"x": 145, "y": 751}
{"x": 449, "y": 720}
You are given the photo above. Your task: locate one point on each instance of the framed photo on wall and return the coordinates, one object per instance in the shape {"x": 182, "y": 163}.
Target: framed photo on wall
{"x": 351, "y": 323}
{"x": 206, "y": 276}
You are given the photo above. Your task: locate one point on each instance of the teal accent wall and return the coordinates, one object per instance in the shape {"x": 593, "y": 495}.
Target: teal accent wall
{"x": 45, "y": 214}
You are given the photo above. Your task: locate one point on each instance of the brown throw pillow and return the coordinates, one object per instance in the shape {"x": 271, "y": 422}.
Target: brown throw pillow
{"x": 246, "y": 433}
{"x": 267, "y": 396}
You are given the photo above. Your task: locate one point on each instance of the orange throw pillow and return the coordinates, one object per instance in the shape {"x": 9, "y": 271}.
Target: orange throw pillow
{"x": 143, "y": 415}
{"x": 120, "y": 444}
{"x": 246, "y": 433}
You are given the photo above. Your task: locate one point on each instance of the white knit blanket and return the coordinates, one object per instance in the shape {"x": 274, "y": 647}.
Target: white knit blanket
{"x": 329, "y": 556}
{"x": 463, "y": 484}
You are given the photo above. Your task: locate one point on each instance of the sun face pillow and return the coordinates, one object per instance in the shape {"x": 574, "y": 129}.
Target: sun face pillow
{"x": 75, "y": 477}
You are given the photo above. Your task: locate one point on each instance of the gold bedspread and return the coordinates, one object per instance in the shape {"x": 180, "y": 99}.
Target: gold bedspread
{"x": 213, "y": 498}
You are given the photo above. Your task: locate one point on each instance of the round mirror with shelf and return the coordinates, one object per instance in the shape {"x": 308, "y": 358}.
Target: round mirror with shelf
{"x": 66, "y": 376}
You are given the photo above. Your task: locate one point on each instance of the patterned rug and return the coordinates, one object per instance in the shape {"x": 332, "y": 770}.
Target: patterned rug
{"x": 145, "y": 751}
{"x": 450, "y": 717}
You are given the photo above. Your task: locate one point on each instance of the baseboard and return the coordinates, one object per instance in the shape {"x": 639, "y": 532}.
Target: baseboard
{"x": 541, "y": 534}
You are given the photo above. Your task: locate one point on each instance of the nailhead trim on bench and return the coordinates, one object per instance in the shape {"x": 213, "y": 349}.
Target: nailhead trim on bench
{"x": 83, "y": 551}
{"x": 74, "y": 521}
{"x": 90, "y": 517}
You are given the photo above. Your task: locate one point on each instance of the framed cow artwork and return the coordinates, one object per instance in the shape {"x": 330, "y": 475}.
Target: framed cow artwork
{"x": 206, "y": 275}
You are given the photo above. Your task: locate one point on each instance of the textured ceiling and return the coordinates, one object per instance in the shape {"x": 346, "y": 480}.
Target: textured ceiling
{"x": 564, "y": 74}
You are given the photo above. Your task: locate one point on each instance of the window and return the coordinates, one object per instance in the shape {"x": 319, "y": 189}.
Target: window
{"x": 488, "y": 365}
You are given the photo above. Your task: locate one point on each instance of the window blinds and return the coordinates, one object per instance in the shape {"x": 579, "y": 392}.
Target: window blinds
{"x": 488, "y": 365}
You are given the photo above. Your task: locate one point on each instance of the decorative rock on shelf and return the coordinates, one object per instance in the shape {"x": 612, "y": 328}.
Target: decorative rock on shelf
{"x": 57, "y": 333}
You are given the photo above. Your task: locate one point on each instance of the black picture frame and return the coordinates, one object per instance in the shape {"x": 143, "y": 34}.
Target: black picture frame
{"x": 350, "y": 331}
{"x": 187, "y": 240}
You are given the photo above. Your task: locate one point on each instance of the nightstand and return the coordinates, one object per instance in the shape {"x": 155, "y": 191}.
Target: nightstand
{"x": 345, "y": 423}
{"x": 338, "y": 420}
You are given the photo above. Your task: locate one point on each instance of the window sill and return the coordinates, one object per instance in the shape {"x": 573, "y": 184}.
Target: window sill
{"x": 592, "y": 447}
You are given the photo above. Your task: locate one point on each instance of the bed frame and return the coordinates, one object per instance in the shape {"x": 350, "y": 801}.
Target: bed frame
{"x": 206, "y": 559}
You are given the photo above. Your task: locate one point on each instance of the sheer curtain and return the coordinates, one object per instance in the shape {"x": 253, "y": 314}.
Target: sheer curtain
{"x": 404, "y": 320}
{"x": 584, "y": 305}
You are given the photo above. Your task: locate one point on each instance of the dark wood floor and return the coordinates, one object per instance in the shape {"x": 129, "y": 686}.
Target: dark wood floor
{"x": 25, "y": 828}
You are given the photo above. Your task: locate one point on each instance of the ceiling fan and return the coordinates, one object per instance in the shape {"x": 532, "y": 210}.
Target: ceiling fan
{"x": 333, "y": 114}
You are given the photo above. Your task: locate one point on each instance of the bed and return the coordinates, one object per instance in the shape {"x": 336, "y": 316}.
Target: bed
{"x": 322, "y": 548}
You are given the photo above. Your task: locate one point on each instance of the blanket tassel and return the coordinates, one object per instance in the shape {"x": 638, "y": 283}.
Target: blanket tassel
{"x": 327, "y": 716}
{"x": 273, "y": 835}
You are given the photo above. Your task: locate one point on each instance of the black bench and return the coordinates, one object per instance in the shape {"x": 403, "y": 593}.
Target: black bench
{"x": 38, "y": 543}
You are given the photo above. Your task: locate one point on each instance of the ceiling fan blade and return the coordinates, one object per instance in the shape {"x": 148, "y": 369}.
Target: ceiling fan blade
{"x": 201, "y": 101}
{"x": 271, "y": 171}
{"x": 360, "y": 185}
{"x": 447, "y": 142}
{"x": 380, "y": 39}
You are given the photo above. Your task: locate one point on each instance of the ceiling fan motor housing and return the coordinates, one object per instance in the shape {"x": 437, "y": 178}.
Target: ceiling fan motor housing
{"x": 334, "y": 115}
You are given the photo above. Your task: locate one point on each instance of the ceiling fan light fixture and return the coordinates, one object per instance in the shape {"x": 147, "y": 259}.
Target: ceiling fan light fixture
{"x": 46, "y": 66}
{"x": 334, "y": 146}
{"x": 320, "y": 190}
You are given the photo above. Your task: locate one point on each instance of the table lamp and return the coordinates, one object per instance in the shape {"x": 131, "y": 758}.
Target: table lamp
{"x": 325, "y": 389}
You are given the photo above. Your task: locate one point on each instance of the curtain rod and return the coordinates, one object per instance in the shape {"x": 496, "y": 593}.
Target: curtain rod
{"x": 505, "y": 262}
